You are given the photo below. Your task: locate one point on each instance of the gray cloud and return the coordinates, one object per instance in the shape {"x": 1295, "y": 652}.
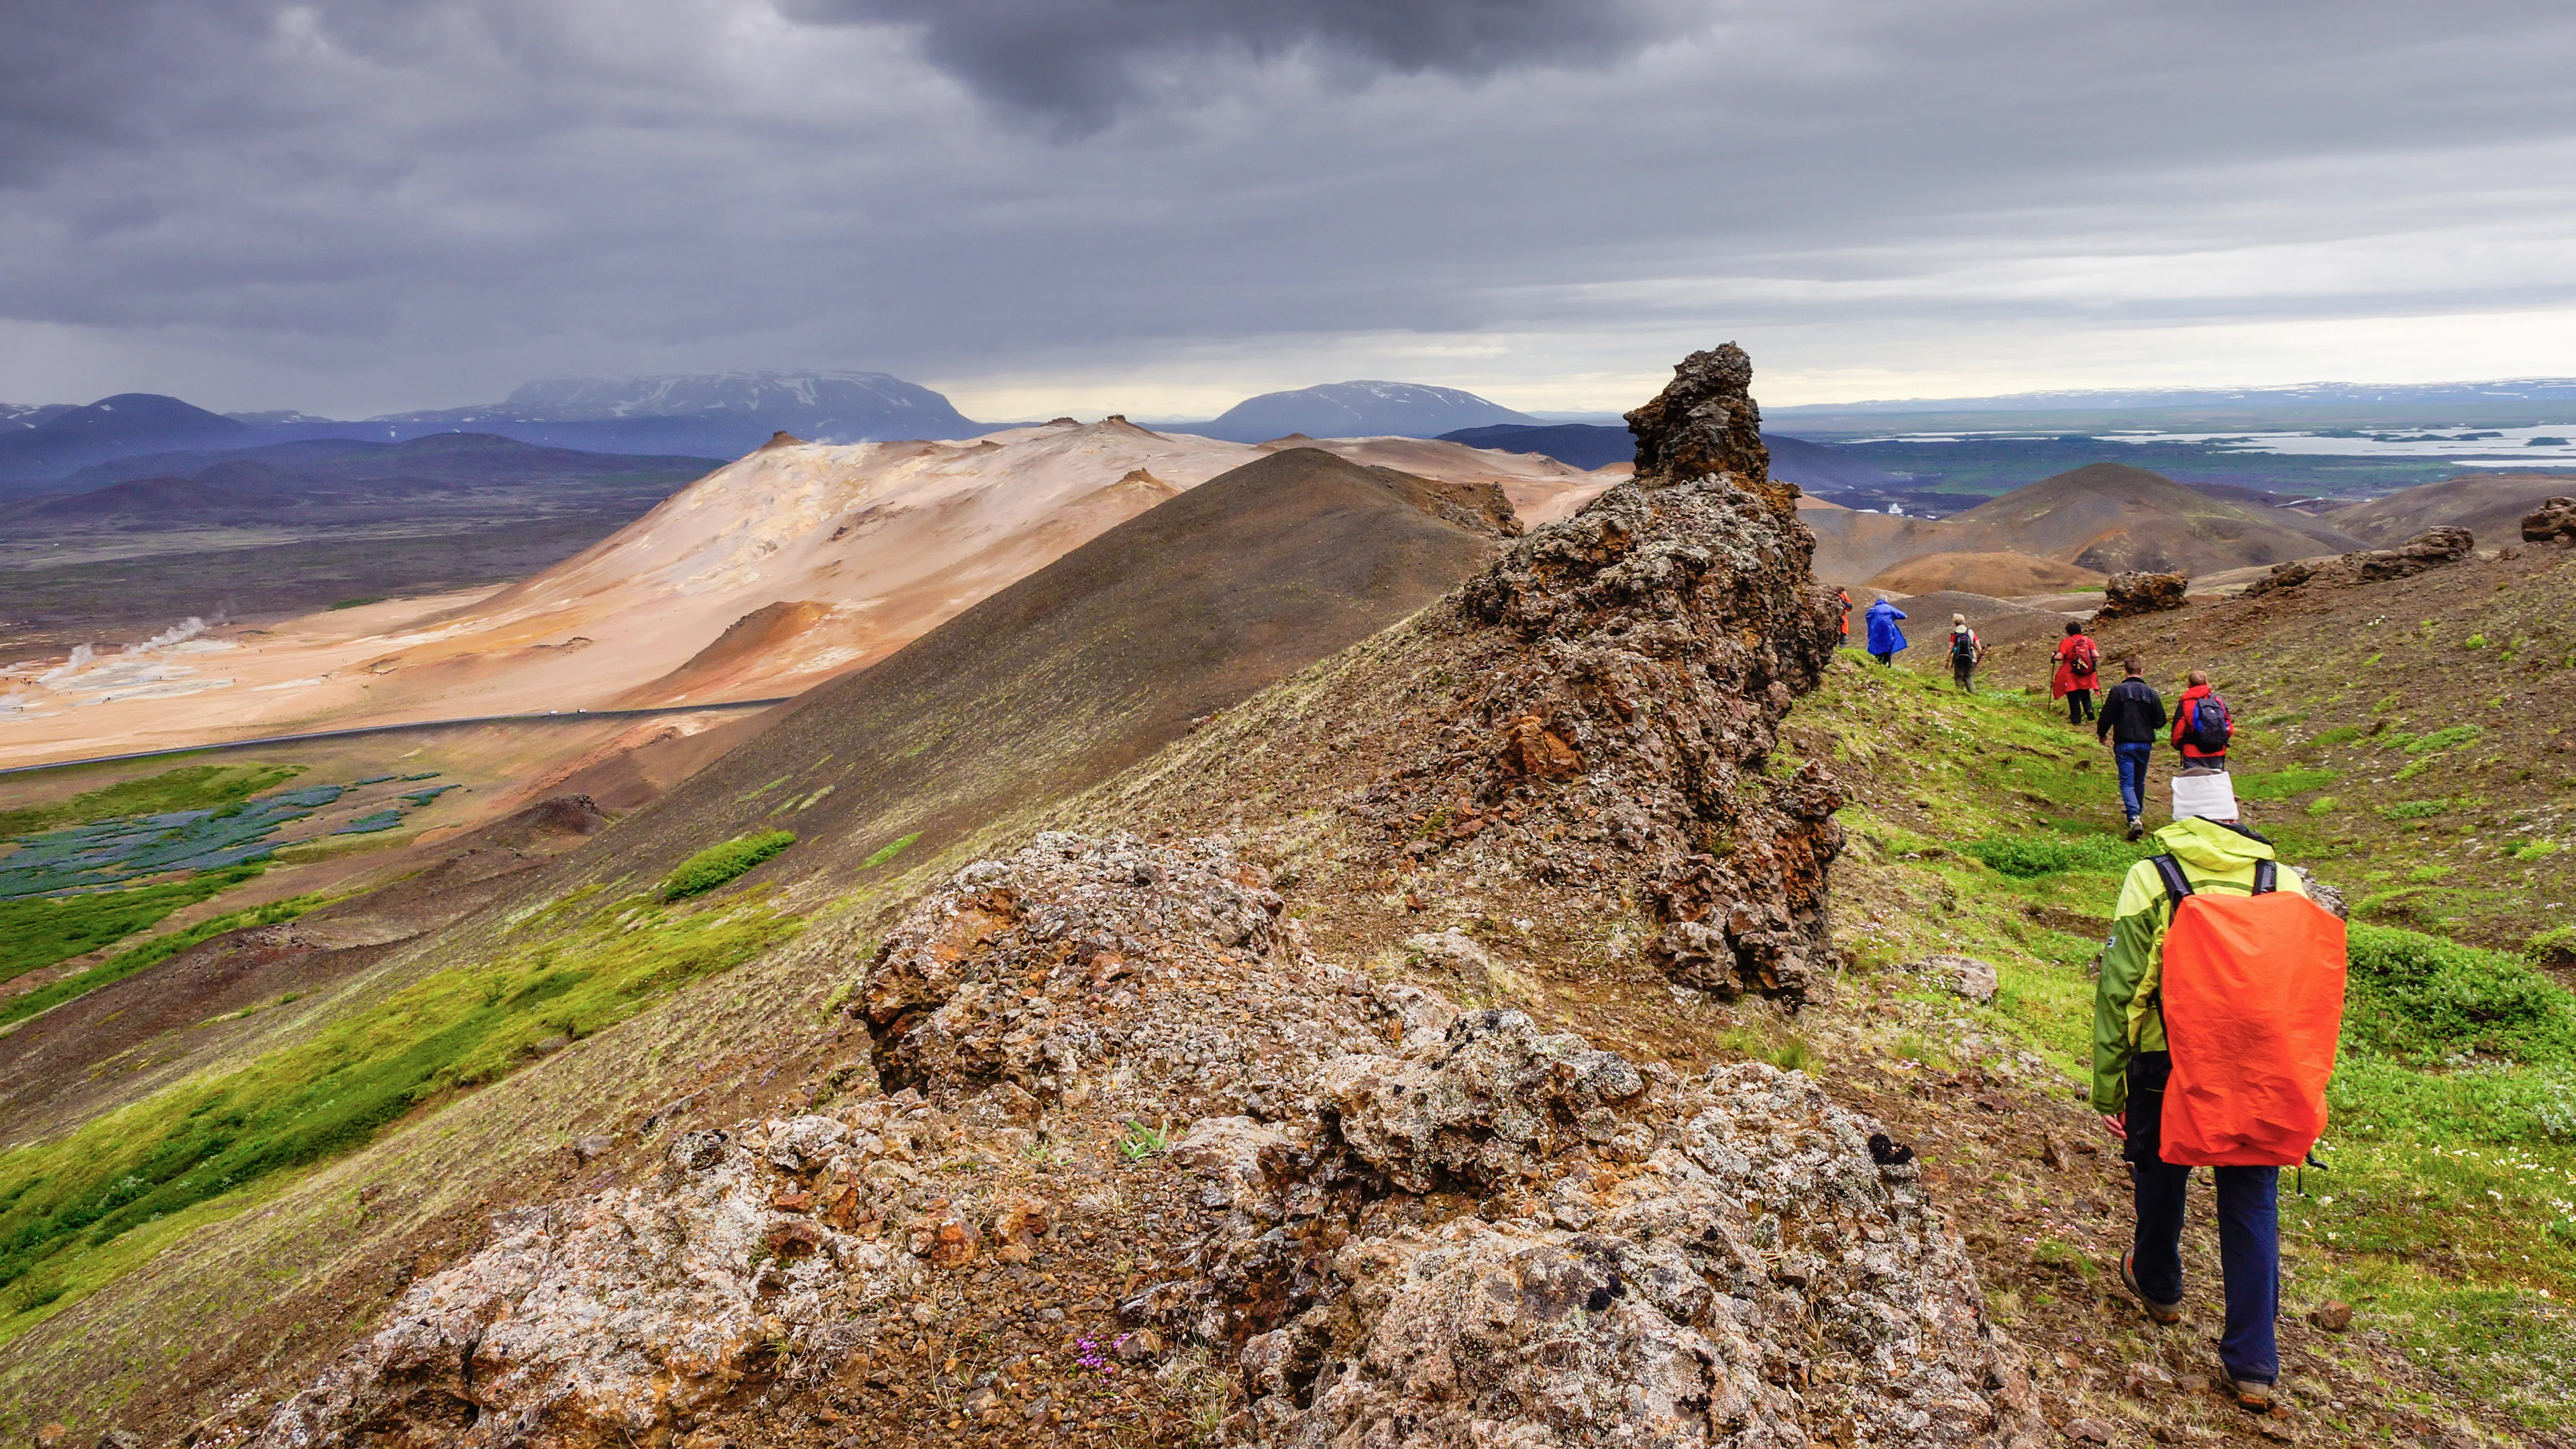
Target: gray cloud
{"x": 1085, "y": 61}
{"x": 359, "y": 205}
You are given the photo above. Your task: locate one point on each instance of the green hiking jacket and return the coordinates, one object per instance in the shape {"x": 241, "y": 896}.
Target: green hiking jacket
{"x": 2127, "y": 1010}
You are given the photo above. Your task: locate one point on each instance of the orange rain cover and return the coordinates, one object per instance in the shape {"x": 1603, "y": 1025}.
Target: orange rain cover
{"x": 2253, "y": 1002}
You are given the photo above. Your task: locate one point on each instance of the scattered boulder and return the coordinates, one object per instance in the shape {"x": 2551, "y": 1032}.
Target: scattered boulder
{"x": 2554, "y": 521}
{"x": 1963, "y": 976}
{"x": 2324, "y": 893}
{"x": 2133, "y": 593}
{"x": 2333, "y": 1315}
{"x": 2430, "y": 549}
{"x": 2427, "y": 550}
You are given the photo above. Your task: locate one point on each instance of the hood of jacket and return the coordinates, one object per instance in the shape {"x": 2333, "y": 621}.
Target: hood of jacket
{"x": 2197, "y": 691}
{"x": 2212, "y": 848}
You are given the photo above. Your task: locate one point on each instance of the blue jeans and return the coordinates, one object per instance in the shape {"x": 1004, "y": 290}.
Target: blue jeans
{"x": 2249, "y": 1229}
{"x": 2133, "y": 761}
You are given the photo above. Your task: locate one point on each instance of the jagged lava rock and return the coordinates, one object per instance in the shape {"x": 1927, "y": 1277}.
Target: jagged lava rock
{"x": 1712, "y": 1262}
{"x": 2554, "y": 521}
{"x": 1632, "y": 665}
{"x": 2430, "y": 549}
{"x": 1441, "y": 1228}
{"x": 2130, "y": 594}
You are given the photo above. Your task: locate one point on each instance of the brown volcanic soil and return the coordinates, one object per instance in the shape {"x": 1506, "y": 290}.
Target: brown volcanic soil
{"x": 1086, "y": 666}
{"x": 2489, "y": 505}
{"x": 2004, "y": 575}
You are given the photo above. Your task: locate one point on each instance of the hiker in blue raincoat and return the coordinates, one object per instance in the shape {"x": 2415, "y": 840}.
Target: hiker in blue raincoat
{"x": 1884, "y": 637}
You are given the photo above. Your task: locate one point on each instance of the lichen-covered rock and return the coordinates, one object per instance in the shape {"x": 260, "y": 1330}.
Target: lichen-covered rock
{"x": 2127, "y": 595}
{"x": 1965, "y": 977}
{"x": 1439, "y": 1227}
{"x": 1742, "y": 1273}
{"x": 1117, "y": 964}
{"x": 1631, "y": 667}
{"x": 2554, "y": 521}
{"x": 606, "y": 1317}
{"x": 1486, "y": 1103}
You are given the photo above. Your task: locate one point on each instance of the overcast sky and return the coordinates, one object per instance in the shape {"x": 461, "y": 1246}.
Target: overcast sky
{"x": 1159, "y": 206}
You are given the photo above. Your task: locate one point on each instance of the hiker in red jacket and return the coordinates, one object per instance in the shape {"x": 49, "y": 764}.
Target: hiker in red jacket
{"x": 2202, "y": 726}
{"x": 2079, "y": 662}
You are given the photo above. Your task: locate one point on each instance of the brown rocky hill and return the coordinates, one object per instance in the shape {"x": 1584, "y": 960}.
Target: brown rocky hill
{"x": 1997, "y": 575}
{"x": 2110, "y": 517}
{"x": 2104, "y": 518}
{"x": 2490, "y": 505}
{"x": 1086, "y": 666}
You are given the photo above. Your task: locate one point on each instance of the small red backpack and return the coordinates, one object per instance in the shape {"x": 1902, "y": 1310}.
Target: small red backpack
{"x": 2253, "y": 1003}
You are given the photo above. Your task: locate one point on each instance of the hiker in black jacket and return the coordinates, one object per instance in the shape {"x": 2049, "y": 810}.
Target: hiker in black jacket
{"x": 2132, "y": 715}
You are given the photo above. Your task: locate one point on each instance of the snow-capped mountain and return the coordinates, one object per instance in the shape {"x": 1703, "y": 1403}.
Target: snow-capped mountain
{"x": 14, "y": 416}
{"x": 1363, "y": 409}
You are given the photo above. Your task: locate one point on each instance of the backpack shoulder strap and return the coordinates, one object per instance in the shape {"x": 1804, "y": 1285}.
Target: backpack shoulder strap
{"x": 2267, "y": 877}
{"x": 2171, "y": 869}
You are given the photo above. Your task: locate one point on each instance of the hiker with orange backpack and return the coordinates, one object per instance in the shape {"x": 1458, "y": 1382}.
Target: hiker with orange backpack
{"x": 2214, "y": 1032}
{"x": 2201, "y": 725}
{"x": 2079, "y": 665}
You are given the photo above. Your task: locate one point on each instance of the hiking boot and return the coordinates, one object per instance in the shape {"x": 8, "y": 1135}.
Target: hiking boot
{"x": 2160, "y": 1312}
{"x": 2254, "y": 1396}
{"x": 2137, "y": 827}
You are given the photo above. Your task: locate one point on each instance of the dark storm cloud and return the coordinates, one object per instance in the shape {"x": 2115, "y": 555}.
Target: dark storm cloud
{"x": 1085, "y": 61}
{"x": 372, "y": 204}
{"x": 68, "y": 70}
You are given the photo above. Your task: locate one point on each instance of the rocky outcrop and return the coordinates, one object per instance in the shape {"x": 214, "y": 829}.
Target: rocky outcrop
{"x": 1625, "y": 672}
{"x": 2430, "y": 549}
{"x": 2554, "y": 521}
{"x": 1382, "y": 1219}
{"x": 2130, "y": 594}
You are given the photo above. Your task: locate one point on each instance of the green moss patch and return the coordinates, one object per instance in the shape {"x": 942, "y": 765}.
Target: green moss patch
{"x": 37, "y": 931}
{"x": 215, "y": 1136}
{"x": 717, "y": 864}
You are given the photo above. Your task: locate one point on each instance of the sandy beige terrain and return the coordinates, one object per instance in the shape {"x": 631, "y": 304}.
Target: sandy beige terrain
{"x": 788, "y": 567}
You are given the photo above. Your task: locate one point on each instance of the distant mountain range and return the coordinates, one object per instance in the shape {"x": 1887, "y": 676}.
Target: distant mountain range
{"x": 716, "y": 415}
{"x": 1355, "y": 410}
{"x": 2290, "y": 395}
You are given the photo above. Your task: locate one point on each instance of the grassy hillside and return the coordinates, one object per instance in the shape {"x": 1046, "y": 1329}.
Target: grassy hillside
{"x": 1985, "y": 826}
{"x": 2411, "y": 736}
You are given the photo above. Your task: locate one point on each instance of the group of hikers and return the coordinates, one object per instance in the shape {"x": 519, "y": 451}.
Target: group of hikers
{"x": 2131, "y": 712}
{"x": 2219, "y": 1002}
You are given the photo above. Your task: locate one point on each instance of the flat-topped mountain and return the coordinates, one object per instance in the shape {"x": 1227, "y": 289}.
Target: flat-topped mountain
{"x": 725, "y": 413}
{"x": 1357, "y": 410}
